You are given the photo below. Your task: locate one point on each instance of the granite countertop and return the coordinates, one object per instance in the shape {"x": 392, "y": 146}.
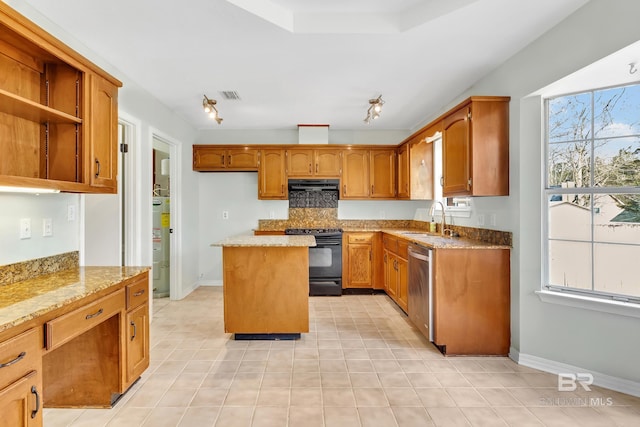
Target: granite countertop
{"x": 265, "y": 241}
{"x": 28, "y": 299}
{"x": 436, "y": 241}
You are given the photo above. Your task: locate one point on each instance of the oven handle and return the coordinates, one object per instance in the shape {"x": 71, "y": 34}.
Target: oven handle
{"x": 321, "y": 244}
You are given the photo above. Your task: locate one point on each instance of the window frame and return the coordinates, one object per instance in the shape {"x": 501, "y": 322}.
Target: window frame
{"x": 628, "y": 305}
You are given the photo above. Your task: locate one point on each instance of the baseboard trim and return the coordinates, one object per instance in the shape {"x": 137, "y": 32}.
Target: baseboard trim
{"x": 208, "y": 283}
{"x": 602, "y": 380}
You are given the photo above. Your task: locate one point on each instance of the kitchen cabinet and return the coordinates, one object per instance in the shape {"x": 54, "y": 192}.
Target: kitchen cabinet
{"x": 403, "y": 172}
{"x": 475, "y": 148}
{"x": 415, "y": 165}
{"x": 314, "y": 162}
{"x": 272, "y": 178}
{"x": 396, "y": 269}
{"x": 471, "y": 305}
{"x": 383, "y": 173}
{"x": 137, "y": 324}
{"x": 215, "y": 158}
{"x": 357, "y": 262}
{"x": 21, "y": 380}
{"x": 58, "y": 113}
{"x": 355, "y": 174}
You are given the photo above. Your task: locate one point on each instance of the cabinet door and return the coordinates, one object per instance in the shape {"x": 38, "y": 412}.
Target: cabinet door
{"x": 242, "y": 159}
{"x": 271, "y": 175}
{"x": 392, "y": 265}
{"x": 327, "y": 163}
{"x": 359, "y": 260}
{"x": 403, "y": 288}
{"x": 403, "y": 172}
{"x": 355, "y": 174}
{"x": 421, "y": 170}
{"x": 300, "y": 162}
{"x": 456, "y": 152}
{"x": 137, "y": 343}
{"x": 21, "y": 402}
{"x": 104, "y": 134}
{"x": 207, "y": 158}
{"x": 383, "y": 174}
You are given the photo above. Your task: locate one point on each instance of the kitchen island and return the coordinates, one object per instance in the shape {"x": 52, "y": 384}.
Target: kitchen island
{"x": 266, "y": 286}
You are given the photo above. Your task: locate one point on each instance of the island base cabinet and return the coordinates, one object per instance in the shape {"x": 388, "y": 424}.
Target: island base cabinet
{"x": 266, "y": 290}
{"x": 137, "y": 323}
{"x": 471, "y": 305}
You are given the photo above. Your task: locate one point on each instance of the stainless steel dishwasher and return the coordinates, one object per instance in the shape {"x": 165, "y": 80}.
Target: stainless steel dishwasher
{"x": 419, "y": 304}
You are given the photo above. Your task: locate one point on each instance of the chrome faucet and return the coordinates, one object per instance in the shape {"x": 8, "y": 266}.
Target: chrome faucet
{"x": 432, "y": 212}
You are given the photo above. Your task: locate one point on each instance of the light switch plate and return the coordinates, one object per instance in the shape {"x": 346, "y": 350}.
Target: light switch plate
{"x": 25, "y": 228}
{"x": 47, "y": 227}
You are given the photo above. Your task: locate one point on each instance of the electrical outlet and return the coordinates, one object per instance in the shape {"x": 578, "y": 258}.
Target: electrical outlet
{"x": 272, "y": 215}
{"x": 225, "y": 214}
{"x": 71, "y": 212}
{"x": 480, "y": 219}
{"x": 47, "y": 227}
{"x": 25, "y": 228}
{"x": 493, "y": 220}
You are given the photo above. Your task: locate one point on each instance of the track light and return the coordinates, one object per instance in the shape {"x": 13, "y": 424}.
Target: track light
{"x": 375, "y": 107}
{"x": 209, "y": 106}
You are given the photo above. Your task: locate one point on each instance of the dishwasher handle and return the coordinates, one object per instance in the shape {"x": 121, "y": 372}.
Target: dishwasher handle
{"x": 420, "y": 256}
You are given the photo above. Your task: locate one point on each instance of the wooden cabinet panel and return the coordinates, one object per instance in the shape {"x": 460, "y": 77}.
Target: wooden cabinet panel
{"x": 317, "y": 162}
{"x": 396, "y": 269}
{"x": 20, "y": 355}
{"x": 328, "y": 162}
{"x": 404, "y": 174}
{"x": 104, "y": 134}
{"x": 421, "y": 179}
{"x": 137, "y": 293}
{"x": 402, "y": 294}
{"x": 475, "y": 148}
{"x": 272, "y": 179}
{"x": 21, "y": 402}
{"x": 383, "y": 173}
{"x": 358, "y": 260}
{"x": 215, "y": 158}
{"x": 137, "y": 348}
{"x": 355, "y": 174}
{"x": 300, "y": 162}
{"x": 471, "y": 313}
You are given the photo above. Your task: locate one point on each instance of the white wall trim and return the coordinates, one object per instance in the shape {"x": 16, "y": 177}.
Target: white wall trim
{"x": 203, "y": 282}
{"x": 621, "y": 308}
{"x": 621, "y": 385}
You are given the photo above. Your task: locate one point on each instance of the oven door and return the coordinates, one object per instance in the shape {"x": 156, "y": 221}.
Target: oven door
{"x": 325, "y": 259}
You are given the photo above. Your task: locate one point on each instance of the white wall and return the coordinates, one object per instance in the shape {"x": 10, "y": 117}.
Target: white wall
{"x": 14, "y": 207}
{"x": 604, "y": 344}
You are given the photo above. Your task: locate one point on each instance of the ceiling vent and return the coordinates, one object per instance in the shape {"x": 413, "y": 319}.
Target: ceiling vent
{"x": 230, "y": 95}
{"x": 313, "y": 134}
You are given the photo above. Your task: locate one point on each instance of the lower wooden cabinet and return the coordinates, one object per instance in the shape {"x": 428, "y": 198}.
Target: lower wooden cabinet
{"x": 396, "y": 269}
{"x": 137, "y": 348}
{"x": 357, "y": 271}
{"x": 21, "y": 402}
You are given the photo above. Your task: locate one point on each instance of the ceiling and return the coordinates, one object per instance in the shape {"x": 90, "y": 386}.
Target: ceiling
{"x": 306, "y": 61}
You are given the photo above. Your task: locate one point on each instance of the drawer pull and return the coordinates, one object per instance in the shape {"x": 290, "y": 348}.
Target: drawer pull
{"x": 16, "y": 360}
{"x": 91, "y": 316}
{"x": 134, "y": 331}
{"x": 34, "y": 390}
{"x": 140, "y": 292}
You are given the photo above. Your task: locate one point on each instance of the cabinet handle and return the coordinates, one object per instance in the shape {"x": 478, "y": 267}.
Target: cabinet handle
{"x": 229, "y": 158}
{"x": 140, "y": 292}
{"x": 134, "y": 331}
{"x": 222, "y": 159}
{"x": 16, "y": 360}
{"x": 372, "y": 190}
{"x": 344, "y": 189}
{"x": 316, "y": 168}
{"x": 441, "y": 181}
{"x": 91, "y": 316}
{"x": 97, "y": 167}
{"x": 369, "y": 255}
{"x": 309, "y": 167}
{"x": 385, "y": 257}
{"x": 282, "y": 189}
{"x": 34, "y": 390}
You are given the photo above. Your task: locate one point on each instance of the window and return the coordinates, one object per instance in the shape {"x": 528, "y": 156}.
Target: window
{"x": 592, "y": 193}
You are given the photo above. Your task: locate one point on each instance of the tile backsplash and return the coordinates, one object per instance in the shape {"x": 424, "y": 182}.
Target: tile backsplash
{"x": 313, "y": 199}
{"x": 25, "y": 270}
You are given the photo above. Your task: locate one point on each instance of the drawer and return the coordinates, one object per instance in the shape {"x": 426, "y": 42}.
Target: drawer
{"x": 403, "y": 248}
{"x": 137, "y": 293}
{"x": 390, "y": 243}
{"x": 20, "y": 355}
{"x": 68, "y": 326}
{"x": 360, "y": 237}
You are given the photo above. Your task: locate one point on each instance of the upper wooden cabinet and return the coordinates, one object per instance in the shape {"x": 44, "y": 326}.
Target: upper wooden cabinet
{"x": 383, "y": 173}
{"x": 58, "y": 113}
{"x": 272, "y": 179}
{"x": 317, "y": 162}
{"x": 475, "y": 148}
{"x": 415, "y": 165}
{"x": 211, "y": 158}
{"x": 355, "y": 174}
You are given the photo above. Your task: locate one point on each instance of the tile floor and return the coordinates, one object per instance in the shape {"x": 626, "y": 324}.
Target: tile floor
{"x": 362, "y": 364}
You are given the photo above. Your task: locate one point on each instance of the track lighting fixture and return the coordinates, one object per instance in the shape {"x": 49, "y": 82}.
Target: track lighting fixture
{"x": 209, "y": 106}
{"x": 375, "y": 107}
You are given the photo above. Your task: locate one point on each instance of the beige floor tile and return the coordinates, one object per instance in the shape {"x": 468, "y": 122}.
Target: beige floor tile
{"x": 518, "y": 416}
{"x": 273, "y": 397}
{"x": 177, "y": 398}
{"x": 306, "y": 397}
{"x": 450, "y": 379}
{"x": 448, "y": 417}
{"x": 188, "y": 380}
{"x": 393, "y": 379}
{"x": 412, "y": 417}
{"x": 333, "y": 366}
{"x": 402, "y": 396}
{"x": 621, "y": 415}
{"x": 241, "y": 397}
{"x": 364, "y": 379}
{"x": 334, "y": 396}
{"x": 61, "y": 417}
{"x": 370, "y": 397}
{"x": 276, "y": 379}
{"x": 247, "y": 380}
{"x": 164, "y": 417}
{"x": 252, "y": 366}
{"x": 307, "y": 416}
{"x": 423, "y": 379}
{"x": 129, "y": 417}
{"x": 435, "y": 398}
{"x": 218, "y": 380}
{"x": 200, "y": 416}
{"x": 334, "y": 379}
{"x": 203, "y": 366}
{"x": 355, "y": 354}
{"x": 89, "y": 418}
{"x": 498, "y": 397}
{"x": 209, "y": 397}
{"x": 376, "y": 417}
{"x": 270, "y": 416}
{"x": 341, "y": 417}
{"x": 485, "y": 417}
{"x": 466, "y": 396}
{"x": 234, "y": 416}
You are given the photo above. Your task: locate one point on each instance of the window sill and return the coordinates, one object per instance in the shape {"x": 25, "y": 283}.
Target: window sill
{"x": 589, "y": 303}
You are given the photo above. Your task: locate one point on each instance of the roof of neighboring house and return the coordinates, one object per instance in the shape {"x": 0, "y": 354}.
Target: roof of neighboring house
{"x": 626, "y": 216}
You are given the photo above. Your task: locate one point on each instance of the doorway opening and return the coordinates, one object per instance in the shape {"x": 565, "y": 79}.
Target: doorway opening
{"x": 161, "y": 223}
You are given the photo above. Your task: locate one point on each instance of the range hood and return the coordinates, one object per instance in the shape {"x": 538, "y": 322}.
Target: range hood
{"x": 313, "y": 134}
{"x": 314, "y": 185}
